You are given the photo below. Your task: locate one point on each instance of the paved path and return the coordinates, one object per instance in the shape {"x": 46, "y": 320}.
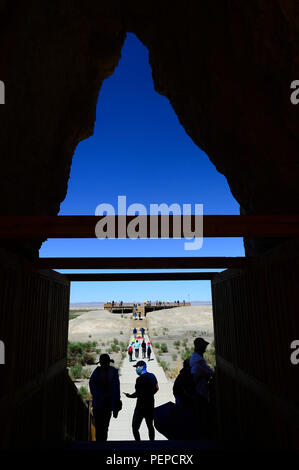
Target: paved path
{"x": 120, "y": 429}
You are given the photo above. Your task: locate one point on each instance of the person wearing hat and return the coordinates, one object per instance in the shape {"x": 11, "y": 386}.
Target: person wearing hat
{"x": 200, "y": 370}
{"x": 201, "y": 374}
{"x": 105, "y": 389}
{"x": 145, "y": 388}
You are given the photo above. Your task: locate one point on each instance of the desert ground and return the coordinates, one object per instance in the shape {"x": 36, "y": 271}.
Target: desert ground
{"x": 177, "y": 328}
{"x": 99, "y": 325}
{"x": 171, "y": 332}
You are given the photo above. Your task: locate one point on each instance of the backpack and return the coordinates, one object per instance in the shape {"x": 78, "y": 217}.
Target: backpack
{"x": 130, "y": 350}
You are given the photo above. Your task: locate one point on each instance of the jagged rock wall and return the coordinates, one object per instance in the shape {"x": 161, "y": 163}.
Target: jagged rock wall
{"x": 226, "y": 67}
{"x": 54, "y": 57}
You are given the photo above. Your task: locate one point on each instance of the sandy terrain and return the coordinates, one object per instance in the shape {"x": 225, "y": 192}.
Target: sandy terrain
{"x": 179, "y": 320}
{"x": 99, "y": 325}
{"x": 179, "y": 324}
{"x": 163, "y": 326}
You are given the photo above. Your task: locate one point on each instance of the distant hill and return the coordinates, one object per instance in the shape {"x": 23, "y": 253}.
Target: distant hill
{"x": 101, "y": 304}
{"x": 201, "y": 302}
{"x": 87, "y": 304}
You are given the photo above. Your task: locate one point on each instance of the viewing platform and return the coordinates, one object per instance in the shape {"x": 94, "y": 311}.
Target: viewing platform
{"x": 125, "y": 307}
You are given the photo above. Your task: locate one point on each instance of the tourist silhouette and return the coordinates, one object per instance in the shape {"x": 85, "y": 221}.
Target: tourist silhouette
{"x": 145, "y": 388}
{"x": 201, "y": 374}
{"x": 105, "y": 389}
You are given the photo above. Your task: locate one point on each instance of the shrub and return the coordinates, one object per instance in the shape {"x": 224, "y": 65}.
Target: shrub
{"x": 172, "y": 373}
{"x": 87, "y": 346}
{"x": 187, "y": 353}
{"x": 76, "y": 371}
{"x": 123, "y": 346}
{"x": 84, "y": 392}
{"x": 164, "y": 348}
{"x": 75, "y": 348}
{"x": 164, "y": 365}
{"x": 157, "y": 345}
{"x": 121, "y": 332}
{"x": 114, "y": 348}
{"x": 86, "y": 373}
{"x": 177, "y": 343}
{"x": 115, "y": 340}
{"x": 89, "y": 358}
{"x": 174, "y": 357}
{"x": 73, "y": 360}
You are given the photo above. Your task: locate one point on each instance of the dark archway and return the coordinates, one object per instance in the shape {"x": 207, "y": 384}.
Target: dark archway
{"x": 226, "y": 68}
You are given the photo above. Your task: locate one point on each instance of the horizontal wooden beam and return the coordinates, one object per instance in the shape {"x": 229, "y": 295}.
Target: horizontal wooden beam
{"x": 207, "y": 276}
{"x": 83, "y": 226}
{"x": 143, "y": 263}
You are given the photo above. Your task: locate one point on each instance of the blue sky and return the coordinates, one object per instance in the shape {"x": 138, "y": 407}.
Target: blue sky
{"x": 140, "y": 150}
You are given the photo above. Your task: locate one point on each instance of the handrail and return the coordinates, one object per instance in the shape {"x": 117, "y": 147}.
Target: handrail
{"x": 78, "y": 414}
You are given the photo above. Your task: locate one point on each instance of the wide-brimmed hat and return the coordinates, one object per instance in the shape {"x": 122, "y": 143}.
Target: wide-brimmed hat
{"x": 105, "y": 359}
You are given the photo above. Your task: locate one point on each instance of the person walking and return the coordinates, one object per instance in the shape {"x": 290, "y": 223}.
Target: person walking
{"x": 145, "y": 388}
{"x": 130, "y": 352}
{"x": 142, "y": 330}
{"x": 143, "y": 346}
{"x": 134, "y": 332}
{"x": 105, "y": 389}
{"x": 136, "y": 347}
{"x": 148, "y": 351}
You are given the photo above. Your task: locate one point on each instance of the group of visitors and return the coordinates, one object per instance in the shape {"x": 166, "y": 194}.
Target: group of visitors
{"x": 192, "y": 390}
{"x": 145, "y": 348}
{"x": 134, "y": 346}
{"x": 142, "y": 331}
{"x": 135, "y": 315}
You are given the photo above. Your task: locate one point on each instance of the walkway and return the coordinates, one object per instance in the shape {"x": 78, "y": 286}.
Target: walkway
{"x": 120, "y": 429}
